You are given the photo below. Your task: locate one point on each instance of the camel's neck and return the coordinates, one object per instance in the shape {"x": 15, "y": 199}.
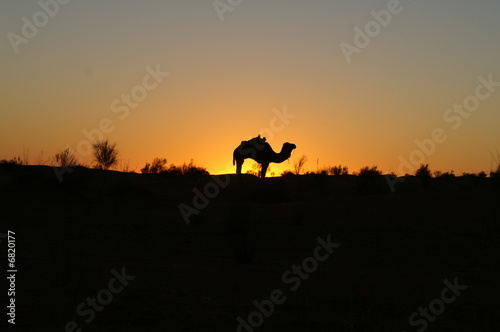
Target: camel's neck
{"x": 282, "y": 156}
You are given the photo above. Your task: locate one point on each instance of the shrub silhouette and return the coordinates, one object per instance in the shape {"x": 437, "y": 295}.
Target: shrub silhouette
{"x": 105, "y": 154}
{"x": 477, "y": 178}
{"x": 41, "y": 160}
{"x": 124, "y": 166}
{"x": 257, "y": 168}
{"x": 66, "y": 158}
{"x": 193, "y": 170}
{"x": 423, "y": 172}
{"x": 369, "y": 171}
{"x": 338, "y": 170}
{"x": 299, "y": 164}
{"x": 156, "y": 167}
{"x": 445, "y": 175}
{"x": 474, "y": 175}
{"x": 13, "y": 162}
{"x": 495, "y": 174}
{"x": 331, "y": 170}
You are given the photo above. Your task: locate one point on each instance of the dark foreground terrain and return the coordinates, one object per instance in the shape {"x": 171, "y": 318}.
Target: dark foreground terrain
{"x": 110, "y": 251}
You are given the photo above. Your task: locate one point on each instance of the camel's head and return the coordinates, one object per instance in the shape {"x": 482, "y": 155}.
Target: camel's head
{"x": 289, "y": 146}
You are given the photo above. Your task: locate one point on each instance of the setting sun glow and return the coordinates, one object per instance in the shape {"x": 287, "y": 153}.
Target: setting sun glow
{"x": 183, "y": 80}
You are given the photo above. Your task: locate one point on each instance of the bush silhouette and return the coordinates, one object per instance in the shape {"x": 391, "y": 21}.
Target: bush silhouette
{"x": 331, "y": 170}
{"x": 423, "y": 172}
{"x": 193, "y": 170}
{"x": 369, "y": 171}
{"x": 257, "y": 168}
{"x": 299, "y": 164}
{"x": 338, "y": 170}
{"x": 287, "y": 173}
{"x": 445, "y": 175}
{"x": 474, "y": 175}
{"x": 156, "y": 167}
{"x": 66, "y": 158}
{"x": 496, "y": 173}
{"x": 13, "y": 162}
{"x": 105, "y": 154}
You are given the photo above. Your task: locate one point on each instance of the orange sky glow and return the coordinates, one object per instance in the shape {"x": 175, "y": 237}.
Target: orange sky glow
{"x": 175, "y": 81}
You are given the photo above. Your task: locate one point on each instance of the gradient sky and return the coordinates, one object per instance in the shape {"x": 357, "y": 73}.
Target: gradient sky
{"x": 226, "y": 78}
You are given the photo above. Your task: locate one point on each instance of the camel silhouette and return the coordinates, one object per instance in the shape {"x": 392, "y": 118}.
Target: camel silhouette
{"x": 259, "y": 150}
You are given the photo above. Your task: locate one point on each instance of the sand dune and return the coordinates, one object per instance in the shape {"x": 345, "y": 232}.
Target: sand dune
{"x": 396, "y": 249}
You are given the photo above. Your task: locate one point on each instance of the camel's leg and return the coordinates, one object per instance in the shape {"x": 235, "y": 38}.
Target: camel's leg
{"x": 263, "y": 170}
{"x": 239, "y": 164}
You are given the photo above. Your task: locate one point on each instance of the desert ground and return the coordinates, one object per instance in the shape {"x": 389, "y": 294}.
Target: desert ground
{"x": 395, "y": 252}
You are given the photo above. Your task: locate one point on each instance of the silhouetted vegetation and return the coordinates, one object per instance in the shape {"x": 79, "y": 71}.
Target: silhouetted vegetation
{"x": 371, "y": 181}
{"x": 13, "y": 162}
{"x": 299, "y": 164}
{"x": 66, "y": 158}
{"x": 193, "y": 170}
{"x": 257, "y": 168}
{"x": 444, "y": 175}
{"x": 337, "y": 170}
{"x": 41, "y": 160}
{"x": 369, "y": 171}
{"x": 158, "y": 166}
{"x": 476, "y": 178}
{"x": 124, "y": 166}
{"x": 423, "y": 172}
{"x": 495, "y": 174}
{"x": 474, "y": 175}
{"x": 105, "y": 154}
{"x": 10, "y": 164}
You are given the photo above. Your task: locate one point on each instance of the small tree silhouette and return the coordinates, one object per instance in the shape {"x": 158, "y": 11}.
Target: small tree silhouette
{"x": 425, "y": 175}
{"x": 66, "y": 158}
{"x": 105, "y": 154}
{"x": 299, "y": 164}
